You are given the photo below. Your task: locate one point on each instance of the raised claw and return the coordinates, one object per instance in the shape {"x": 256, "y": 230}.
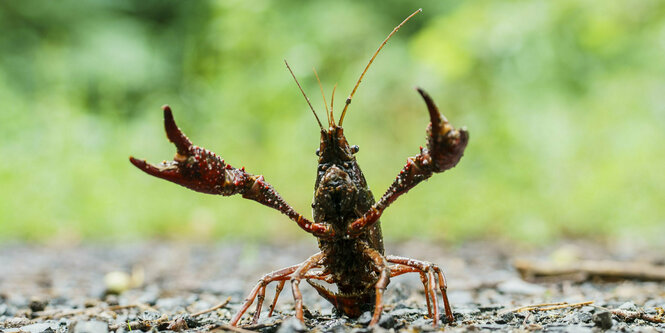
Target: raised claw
{"x": 175, "y": 135}
{"x": 192, "y": 167}
{"x": 203, "y": 171}
{"x": 445, "y": 143}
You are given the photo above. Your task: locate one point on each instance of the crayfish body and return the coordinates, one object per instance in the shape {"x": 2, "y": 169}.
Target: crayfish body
{"x": 345, "y": 214}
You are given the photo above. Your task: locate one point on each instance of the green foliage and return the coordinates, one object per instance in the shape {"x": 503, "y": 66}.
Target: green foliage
{"x": 563, "y": 100}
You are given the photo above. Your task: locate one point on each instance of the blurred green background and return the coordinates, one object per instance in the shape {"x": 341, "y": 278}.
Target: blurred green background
{"x": 564, "y": 100}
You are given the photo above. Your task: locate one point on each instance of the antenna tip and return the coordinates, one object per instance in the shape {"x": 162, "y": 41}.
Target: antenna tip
{"x": 420, "y": 10}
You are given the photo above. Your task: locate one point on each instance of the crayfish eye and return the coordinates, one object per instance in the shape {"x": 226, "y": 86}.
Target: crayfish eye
{"x": 355, "y": 149}
{"x": 318, "y": 152}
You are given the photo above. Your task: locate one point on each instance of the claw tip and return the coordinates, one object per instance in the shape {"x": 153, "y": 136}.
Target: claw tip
{"x": 137, "y": 163}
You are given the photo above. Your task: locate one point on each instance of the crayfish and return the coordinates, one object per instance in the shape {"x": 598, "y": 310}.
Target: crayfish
{"x": 345, "y": 215}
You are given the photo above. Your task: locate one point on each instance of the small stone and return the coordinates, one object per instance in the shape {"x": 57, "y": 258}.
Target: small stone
{"x": 38, "y": 328}
{"x": 404, "y": 311}
{"x": 37, "y": 305}
{"x": 16, "y": 322}
{"x": 365, "y": 318}
{"x": 577, "y": 329}
{"x": 190, "y": 321}
{"x": 291, "y": 325}
{"x": 505, "y": 318}
{"x": 178, "y": 325}
{"x": 423, "y": 324}
{"x": 387, "y": 321}
{"x": 628, "y": 306}
{"x": 337, "y": 328}
{"x": 92, "y": 326}
{"x": 116, "y": 282}
{"x": 603, "y": 319}
{"x": 583, "y": 317}
{"x": 149, "y": 315}
{"x": 111, "y": 300}
{"x": 588, "y": 309}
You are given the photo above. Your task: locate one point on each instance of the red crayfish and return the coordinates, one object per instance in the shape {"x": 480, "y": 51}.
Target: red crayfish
{"x": 345, "y": 215}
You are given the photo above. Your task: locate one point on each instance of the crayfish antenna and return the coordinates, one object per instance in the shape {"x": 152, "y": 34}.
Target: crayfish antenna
{"x": 348, "y": 100}
{"x": 332, "y": 99}
{"x": 325, "y": 104}
{"x": 306, "y": 98}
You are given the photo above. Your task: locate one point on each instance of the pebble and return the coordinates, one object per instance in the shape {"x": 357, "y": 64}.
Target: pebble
{"x": 150, "y": 315}
{"x": 423, "y": 324}
{"x": 628, "y": 306}
{"x": 34, "y": 328}
{"x": 404, "y": 312}
{"x": 92, "y": 326}
{"x": 387, "y": 321}
{"x": 291, "y": 325}
{"x": 3, "y": 309}
{"x": 603, "y": 319}
{"x": 583, "y": 317}
{"x": 577, "y": 329}
{"x": 37, "y": 305}
{"x": 505, "y": 318}
{"x": 364, "y": 318}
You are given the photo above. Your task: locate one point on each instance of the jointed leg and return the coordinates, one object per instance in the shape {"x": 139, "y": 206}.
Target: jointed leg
{"x": 260, "y": 288}
{"x": 429, "y": 269}
{"x": 399, "y": 269}
{"x": 278, "y": 290}
{"x": 280, "y": 286}
{"x": 384, "y": 278}
{"x": 295, "y": 282}
{"x": 444, "y": 286}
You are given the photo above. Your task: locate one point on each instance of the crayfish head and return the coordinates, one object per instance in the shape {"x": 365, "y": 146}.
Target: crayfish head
{"x": 334, "y": 148}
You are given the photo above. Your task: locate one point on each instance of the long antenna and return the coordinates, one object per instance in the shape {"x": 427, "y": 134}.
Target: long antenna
{"x": 306, "y": 98}
{"x": 325, "y": 104}
{"x": 348, "y": 100}
{"x": 332, "y": 99}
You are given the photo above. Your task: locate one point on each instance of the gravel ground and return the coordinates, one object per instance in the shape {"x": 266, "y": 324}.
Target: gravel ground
{"x": 163, "y": 284}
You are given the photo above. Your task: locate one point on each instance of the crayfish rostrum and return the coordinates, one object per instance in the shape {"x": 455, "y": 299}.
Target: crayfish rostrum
{"x": 345, "y": 215}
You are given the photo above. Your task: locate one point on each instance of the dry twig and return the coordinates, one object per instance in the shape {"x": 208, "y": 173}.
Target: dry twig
{"x": 632, "y": 315}
{"x": 218, "y": 306}
{"x": 588, "y": 269}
